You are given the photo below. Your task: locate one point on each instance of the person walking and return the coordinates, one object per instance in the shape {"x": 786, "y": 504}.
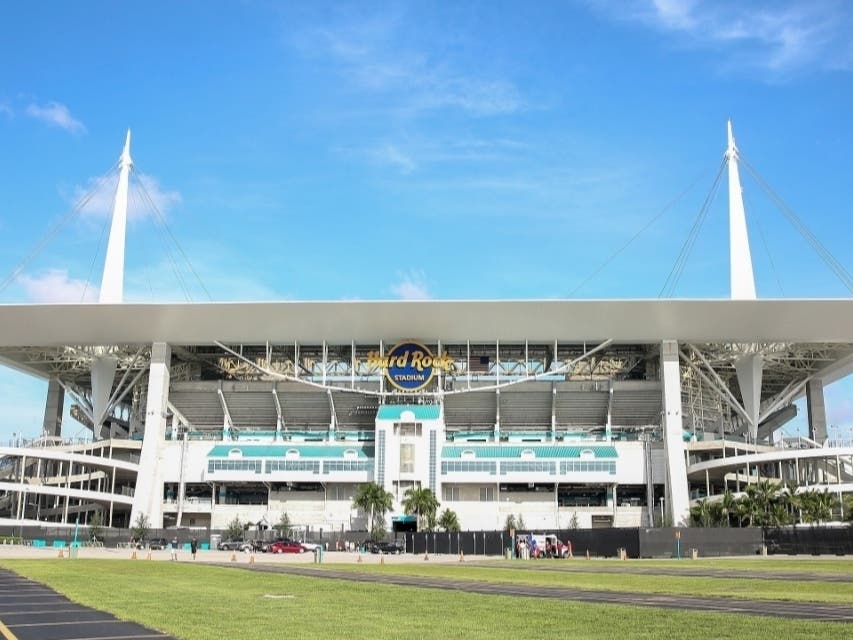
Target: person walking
{"x": 173, "y": 549}
{"x": 194, "y": 547}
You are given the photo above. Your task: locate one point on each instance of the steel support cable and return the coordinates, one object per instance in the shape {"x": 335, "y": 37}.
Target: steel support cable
{"x": 95, "y": 254}
{"x": 681, "y": 261}
{"x": 173, "y": 263}
{"x": 824, "y": 253}
{"x": 767, "y": 250}
{"x": 175, "y": 240}
{"x": 666, "y": 208}
{"x": 56, "y": 228}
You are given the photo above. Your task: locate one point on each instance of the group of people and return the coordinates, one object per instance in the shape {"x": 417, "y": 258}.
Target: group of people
{"x": 173, "y": 548}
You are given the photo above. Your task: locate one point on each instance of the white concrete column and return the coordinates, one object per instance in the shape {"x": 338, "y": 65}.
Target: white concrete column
{"x": 816, "y": 410}
{"x": 148, "y": 497}
{"x": 52, "y": 425}
{"x": 677, "y": 498}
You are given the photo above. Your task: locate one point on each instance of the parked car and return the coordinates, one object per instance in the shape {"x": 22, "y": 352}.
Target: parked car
{"x": 383, "y": 546}
{"x": 152, "y": 543}
{"x": 235, "y": 544}
{"x": 310, "y": 546}
{"x": 157, "y": 543}
{"x": 288, "y": 546}
{"x": 265, "y": 545}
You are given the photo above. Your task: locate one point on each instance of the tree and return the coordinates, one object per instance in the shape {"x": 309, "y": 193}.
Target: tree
{"x": 234, "y": 528}
{"x": 283, "y": 526}
{"x": 141, "y": 527}
{"x": 509, "y": 525}
{"x": 96, "y": 525}
{"x": 422, "y": 503}
{"x": 817, "y": 506}
{"x": 747, "y": 508}
{"x": 700, "y": 514}
{"x": 728, "y": 505}
{"x": 373, "y": 499}
{"x": 449, "y": 521}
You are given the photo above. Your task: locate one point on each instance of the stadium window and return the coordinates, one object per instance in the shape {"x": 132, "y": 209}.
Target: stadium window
{"x": 451, "y": 493}
{"x": 407, "y": 457}
{"x": 487, "y": 494}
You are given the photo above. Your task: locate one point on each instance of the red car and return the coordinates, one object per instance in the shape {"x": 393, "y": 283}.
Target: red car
{"x": 286, "y": 546}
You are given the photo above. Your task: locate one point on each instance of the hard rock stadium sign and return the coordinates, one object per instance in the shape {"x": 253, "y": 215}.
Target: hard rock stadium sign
{"x": 409, "y": 366}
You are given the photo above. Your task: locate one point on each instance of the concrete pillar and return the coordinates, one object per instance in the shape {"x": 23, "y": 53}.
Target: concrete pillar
{"x": 677, "y": 499}
{"x": 52, "y": 425}
{"x": 817, "y": 410}
{"x": 148, "y": 496}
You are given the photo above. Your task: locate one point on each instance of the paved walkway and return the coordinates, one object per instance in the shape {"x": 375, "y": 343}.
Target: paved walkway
{"x": 701, "y": 572}
{"x": 775, "y": 608}
{"x": 32, "y": 611}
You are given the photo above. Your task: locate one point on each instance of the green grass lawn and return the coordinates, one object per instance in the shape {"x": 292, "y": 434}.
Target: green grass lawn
{"x": 200, "y": 602}
{"x": 802, "y": 591}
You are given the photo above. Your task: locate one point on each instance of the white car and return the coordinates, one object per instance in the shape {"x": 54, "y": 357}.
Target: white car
{"x": 310, "y": 546}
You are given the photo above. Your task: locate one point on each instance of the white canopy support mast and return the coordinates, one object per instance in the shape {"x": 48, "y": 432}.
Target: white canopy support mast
{"x": 740, "y": 259}
{"x": 112, "y": 281}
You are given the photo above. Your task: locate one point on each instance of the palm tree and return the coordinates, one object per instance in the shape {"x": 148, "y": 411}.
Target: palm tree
{"x": 765, "y": 494}
{"x": 377, "y": 502}
{"x": 818, "y": 506}
{"x": 422, "y": 503}
{"x": 747, "y": 507}
{"x": 728, "y": 504}
{"x": 700, "y": 515}
{"x": 448, "y": 520}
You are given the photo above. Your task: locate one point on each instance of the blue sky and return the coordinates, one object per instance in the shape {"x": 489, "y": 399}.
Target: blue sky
{"x": 421, "y": 150}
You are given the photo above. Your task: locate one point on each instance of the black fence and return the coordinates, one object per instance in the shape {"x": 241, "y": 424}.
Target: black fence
{"x": 598, "y": 543}
{"x": 814, "y": 540}
{"x": 647, "y": 543}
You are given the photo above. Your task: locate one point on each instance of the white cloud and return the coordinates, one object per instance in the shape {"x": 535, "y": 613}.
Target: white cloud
{"x": 411, "y": 286}
{"x": 57, "y": 115}
{"x": 376, "y": 55}
{"x": 54, "y": 285}
{"x": 780, "y": 37}
{"x": 390, "y": 154}
{"x": 6, "y": 110}
{"x": 102, "y": 194}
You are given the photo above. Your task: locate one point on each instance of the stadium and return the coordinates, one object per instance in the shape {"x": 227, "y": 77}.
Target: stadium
{"x": 589, "y": 413}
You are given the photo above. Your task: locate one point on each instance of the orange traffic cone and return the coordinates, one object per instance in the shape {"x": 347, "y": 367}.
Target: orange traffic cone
{"x": 61, "y": 554}
{"x": 133, "y": 555}
{"x": 252, "y": 559}
{"x": 233, "y": 557}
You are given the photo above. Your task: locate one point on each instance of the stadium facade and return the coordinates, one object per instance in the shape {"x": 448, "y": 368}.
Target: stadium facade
{"x": 567, "y": 413}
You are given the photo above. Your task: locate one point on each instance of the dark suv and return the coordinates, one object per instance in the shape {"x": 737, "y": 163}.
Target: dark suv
{"x": 383, "y": 546}
{"x": 235, "y": 544}
{"x": 157, "y": 543}
{"x": 154, "y": 544}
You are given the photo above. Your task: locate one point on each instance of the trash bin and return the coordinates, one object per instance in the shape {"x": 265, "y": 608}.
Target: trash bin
{"x": 694, "y": 554}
